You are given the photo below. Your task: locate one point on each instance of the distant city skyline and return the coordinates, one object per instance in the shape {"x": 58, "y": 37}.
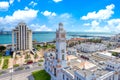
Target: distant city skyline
{"x": 40, "y": 15}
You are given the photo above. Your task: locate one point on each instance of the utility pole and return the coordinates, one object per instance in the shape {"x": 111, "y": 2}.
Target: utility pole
{"x": 11, "y": 71}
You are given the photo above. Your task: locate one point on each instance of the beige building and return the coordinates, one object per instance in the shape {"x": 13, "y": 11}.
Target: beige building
{"x": 22, "y": 37}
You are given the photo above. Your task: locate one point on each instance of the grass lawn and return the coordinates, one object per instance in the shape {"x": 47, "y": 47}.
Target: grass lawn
{"x": 47, "y": 46}
{"x": 5, "y": 64}
{"x": 6, "y": 57}
{"x": 16, "y": 65}
{"x": 41, "y": 75}
{"x": 0, "y": 55}
{"x": 0, "y": 61}
{"x": 41, "y": 60}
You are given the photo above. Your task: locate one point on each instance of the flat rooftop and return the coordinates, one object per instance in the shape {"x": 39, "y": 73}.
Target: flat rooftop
{"x": 85, "y": 68}
{"x": 80, "y": 63}
{"x": 97, "y": 57}
{"x": 70, "y": 70}
{"x": 71, "y": 57}
{"x": 115, "y": 50}
{"x": 93, "y": 71}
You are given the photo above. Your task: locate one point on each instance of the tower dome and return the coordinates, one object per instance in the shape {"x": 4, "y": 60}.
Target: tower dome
{"x": 60, "y": 26}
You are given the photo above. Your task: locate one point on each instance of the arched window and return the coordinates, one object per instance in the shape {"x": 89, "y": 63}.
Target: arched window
{"x": 63, "y": 51}
{"x": 56, "y": 56}
{"x": 63, "y": 57}
{"x": 56, "y": 50}
{"x": 55, "y": 71}
{"x": 63, "y": 77}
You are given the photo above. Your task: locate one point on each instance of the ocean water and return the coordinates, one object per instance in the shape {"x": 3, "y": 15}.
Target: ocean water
{"x": 6, "y": 37}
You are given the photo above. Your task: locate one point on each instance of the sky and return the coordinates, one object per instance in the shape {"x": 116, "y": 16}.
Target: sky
{"x": 76, "y": 15}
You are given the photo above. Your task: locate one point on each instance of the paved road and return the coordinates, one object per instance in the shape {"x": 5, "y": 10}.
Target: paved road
{"x": 21, "y": 75}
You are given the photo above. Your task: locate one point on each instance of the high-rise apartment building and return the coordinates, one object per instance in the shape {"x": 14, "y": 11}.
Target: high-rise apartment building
{"x": 23, "y": 37}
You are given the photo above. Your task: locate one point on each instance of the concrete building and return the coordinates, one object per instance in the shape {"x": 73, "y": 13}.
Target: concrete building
{"x": 23, "y": 37}
{"x": 115, "y": 38}
{"x": 58, "y": 58}
{"x": 62, "y": 66}
{"x": 91, "y": 47}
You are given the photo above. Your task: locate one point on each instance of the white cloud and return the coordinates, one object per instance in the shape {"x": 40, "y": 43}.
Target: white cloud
{"x": 37, "y": 27}
{"x": 112, "y": 25}
{"x": 95, "y": 26}
{"x": 95, "y": 23}
{"x": 67, "y": 19}
{"x": 26, "y": 8}
{"x": 11, "y": 1}
{"x": 47, "y": 13}
{"x": 56, "y": 1}
{"x": 65, "y": 15}
{"x": 4, "y": 5}
{"x": 101, "y": 14}
{"x": 100, "y": 21}
{"x": 23, "y": 15}
{"x": 53, "y": 14}
{"x": 113, "y": 22}
{"x": 32, "y": 3}
{"x": 86, "y": 24}
{"x": 17, "y": 16}
{"x": 19, "y": 0}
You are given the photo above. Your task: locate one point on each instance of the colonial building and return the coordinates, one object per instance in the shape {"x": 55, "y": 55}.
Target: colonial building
{"x": 62, "y": 66}
{"x": 23, "y": 37}
{"x": 57, "y": 59}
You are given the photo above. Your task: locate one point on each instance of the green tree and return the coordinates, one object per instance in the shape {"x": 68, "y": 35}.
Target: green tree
{"x": 52, "y": 46}
{"x": 54, "y": 41}
{"x": 38, "y": 45}
{"x": 115, "y": 54}
{"x": 35, "y": 56}
{"x": 34, "y": 41}
{"x": 2, "y": 48}
{"x": 109, "y": 45}
{"x": 79, "y": 42}
{"x": 27, "y": 56}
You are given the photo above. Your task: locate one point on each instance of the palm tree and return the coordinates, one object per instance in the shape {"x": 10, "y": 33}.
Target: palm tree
{"x": 35, "y": 56}
{"x": 27, "y": 56}
{"x": 15, "y": 59}
{"x": 2, "y": 48}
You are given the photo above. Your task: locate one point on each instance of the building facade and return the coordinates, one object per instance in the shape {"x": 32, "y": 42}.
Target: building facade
{"x": 58, "y": 58}
{"x": 23, "y": 37}
{"x": 62, "y": 66}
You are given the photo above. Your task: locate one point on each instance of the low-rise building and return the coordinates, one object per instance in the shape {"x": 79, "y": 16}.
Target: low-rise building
{"x": 89, "y": 47}
{"x": 62, "y": 66}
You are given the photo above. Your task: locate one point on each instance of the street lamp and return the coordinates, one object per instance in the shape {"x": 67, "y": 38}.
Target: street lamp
{"x": 11, "y": 71}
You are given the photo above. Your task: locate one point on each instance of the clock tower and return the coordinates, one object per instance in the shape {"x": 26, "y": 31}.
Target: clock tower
{"x": 55, "y": 62}
{"x": 61, "y": 46}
